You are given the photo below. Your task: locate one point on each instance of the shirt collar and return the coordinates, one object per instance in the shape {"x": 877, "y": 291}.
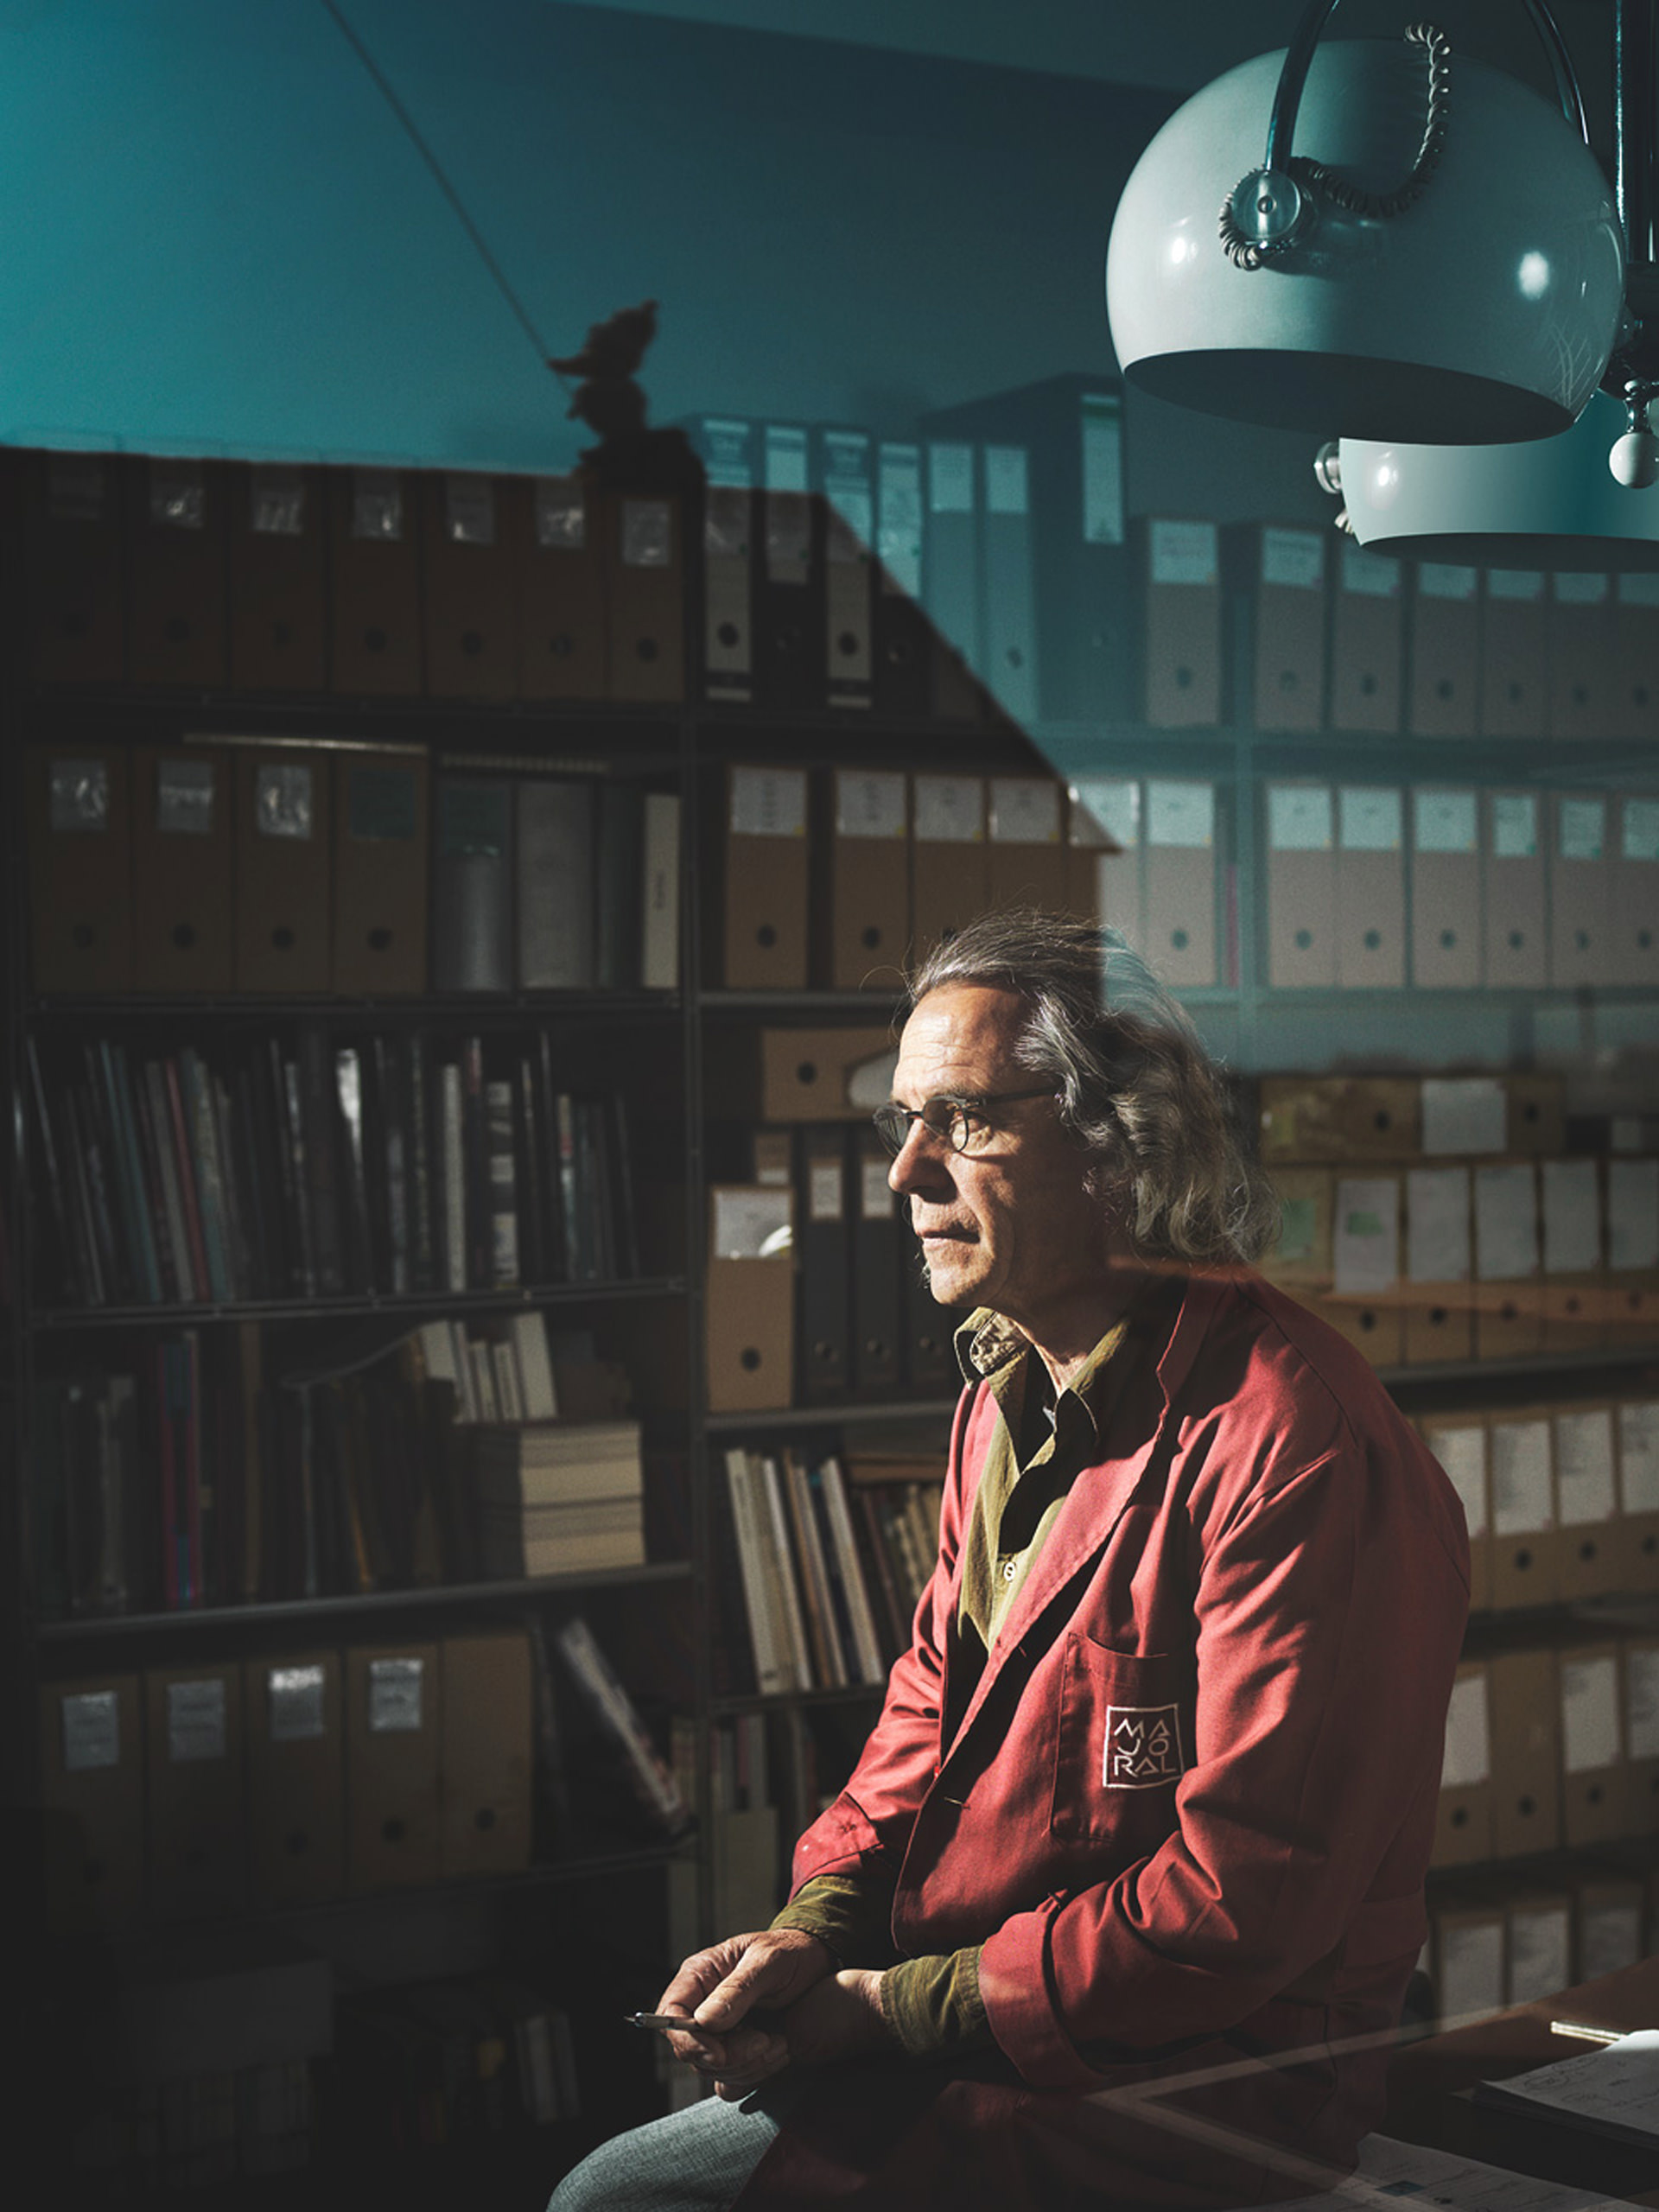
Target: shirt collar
{"x": 988, "y": 1347}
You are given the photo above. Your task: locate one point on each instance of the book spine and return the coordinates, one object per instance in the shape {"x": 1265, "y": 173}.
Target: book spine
{"x": 570, "y": 1203}
{"x": 161, "y": 1169}
{"x": 88, "y": 1282}
{"x": 454, "y": 1176}
{"x": 185, "y": 1171}
{"x": 135, "y": 1195}
{"x": 74, "y": 1278}
{"x": 528, "y": 1138}
{"x": 781, "y": 1572}
{"x": 610, "y": 1704}
{"x": 770, "y": 1672}
{"x": 393, "y": 1165}
{"x": 826, "y": 1657}
{"x": 425, "y": 1270}
{"x": 197, "y": 1111}
{"x": 348, "y": 1094}
{"x": 297, "y": 1178}
{"x": 504, "y": 1254}
{"x": 868, "y": 1647}
{"x": 895, "y": 1614}
{"x": 320, "y": 1117}
{"x": 659, "y": 966}
{"x": 475, "y": 1142}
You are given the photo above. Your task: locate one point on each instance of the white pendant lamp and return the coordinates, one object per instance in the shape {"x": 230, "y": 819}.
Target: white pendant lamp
{"x": 1438, "y": 259}
{"x": 1552, "y": 503}
{"x": 1584, "y": 499}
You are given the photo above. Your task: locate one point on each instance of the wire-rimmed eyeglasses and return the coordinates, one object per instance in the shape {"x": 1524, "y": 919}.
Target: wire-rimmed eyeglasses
{"x": 965, "y": 1124}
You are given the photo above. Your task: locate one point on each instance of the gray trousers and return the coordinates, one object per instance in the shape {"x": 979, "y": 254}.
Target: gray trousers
{"x": 695, "y": 2160}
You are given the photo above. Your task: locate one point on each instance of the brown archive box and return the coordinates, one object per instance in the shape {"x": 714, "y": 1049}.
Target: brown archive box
{"x": 78, "y": 809}
{"x": 1632, "y": 1185}
{"x": 177, "y": 517}
{"x": 1586, "y": 1501}
{"x": 562, "y": 648}
{"x": 485, "y": 1758}
{"x": 869, "y": 879}
{"x": 1636, "y": 655}
{"x": 1365, "y": 641}
{"x": 295, "y": 1779}
{"x": 821, "y": 1075}
{"x": 1582, "y": 660}
{"x": 284, "y": 867}
{"x": 277, "y": 534}
{"x": 1640, "y": 1683}
{"x": 1101, "y": 864}
{"x": 1370, "y": 879}
{"x": 1508, "y": 1285}
{"x": 183, "y": 833}
{"x": 469, "y": 583}
{"x": 381, "y": 867}
{"x": 1515, "y": 940}
{"x": 195, "y": 1792}
{"x": 1179, "y": 868}
{"x": 1580, "y": 889}
{"x": 391, "y": 1765}
{"x": 374, "y": 581}
{"x": 1301, "y": 885}
{"x": 750, "y": 1300}
{"x": 1285, "y": 565}
{"x": 93, "y": 1800}
{"x": 1526, "y": 1754}
{"x": 1526, "y": 1568}
{"x": 1180, "y": 571}
{"x": 1299, "y": 1262}
{"x": 1634, "y": 867}
{"x": 764, "y": 878}
{"x": 1514, "y": 654}
{"x": 1446, "y": 918}
{"x": 1459, "y": 1442}
{"x": 645, "y": 575}
{"x": 1344, "y": 1119}
{"x": 1637, "y": 1427}
{"x": 74, "y": 565}
{"x": 1463, "y": 1823}
{"x": 949, "y": 860}
{"x": 1027, "y": 841}
{"x": 1445, "y": 650}
{"x": 1595, "y": 1782}
{"x": 1365, "y": 1303}
{"x": 1440, "y": 1321}
{"x": 1575, "y": 1272}
{"x": 1535, "y": 1116}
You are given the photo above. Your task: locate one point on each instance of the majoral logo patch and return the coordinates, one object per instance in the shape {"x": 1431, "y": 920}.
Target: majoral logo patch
{"x": 1143, "y": 1747}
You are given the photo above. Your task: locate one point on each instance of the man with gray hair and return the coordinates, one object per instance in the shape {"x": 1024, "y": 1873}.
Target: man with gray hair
{"x": 1119, "y": 1906}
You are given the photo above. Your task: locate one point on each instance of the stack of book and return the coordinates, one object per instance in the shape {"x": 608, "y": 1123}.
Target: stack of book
{"x": 554, "y": 1497}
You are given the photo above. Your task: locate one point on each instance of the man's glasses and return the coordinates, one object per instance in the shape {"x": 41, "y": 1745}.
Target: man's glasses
{"x": 965, "y": 1124}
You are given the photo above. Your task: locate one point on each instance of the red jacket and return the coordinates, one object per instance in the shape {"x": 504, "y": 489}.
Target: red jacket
{"x": 1186, "y": 1807}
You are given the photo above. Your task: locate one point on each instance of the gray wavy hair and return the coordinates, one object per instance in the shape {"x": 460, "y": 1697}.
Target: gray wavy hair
{"x": 1136, "y": 1087}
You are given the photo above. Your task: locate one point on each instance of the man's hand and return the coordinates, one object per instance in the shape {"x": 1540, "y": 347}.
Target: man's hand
{"x": 811, "y": 2014}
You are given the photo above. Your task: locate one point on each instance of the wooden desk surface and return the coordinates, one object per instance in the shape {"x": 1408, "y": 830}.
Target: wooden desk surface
{"x": 1424, "y": 2079}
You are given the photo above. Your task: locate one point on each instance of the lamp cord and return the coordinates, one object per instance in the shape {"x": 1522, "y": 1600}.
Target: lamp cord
{"x": 480, "y": 244}
{"x": 1321, "y": 182}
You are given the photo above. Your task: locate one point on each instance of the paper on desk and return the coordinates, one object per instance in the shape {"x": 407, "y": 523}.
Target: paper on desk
{"x": 1612, "y": 2091}
{"x": 1390, "y": 2173}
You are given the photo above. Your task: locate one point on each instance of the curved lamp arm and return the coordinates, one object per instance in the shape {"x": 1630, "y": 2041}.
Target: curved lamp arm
{"x": 1299, "y": 59}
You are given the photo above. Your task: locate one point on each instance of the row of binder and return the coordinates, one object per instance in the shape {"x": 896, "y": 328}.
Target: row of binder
{"x": 832, "y": 881}
{"x": 189, "y": 1792}
{"x": 307, "y": 868}
{"x": 1369, "y": 886}
{"x": 815, "y": 1295}
{"x": 207, "y": 576}
{"x": 1509, "y": 1939}
{"x": 1548, "y": 1745}
{"x": 985, "y": 565}
{"x": 1501, "y": 1259}
{"x": 1348, "y": 1119}
{"x": 1561, "y": 1501}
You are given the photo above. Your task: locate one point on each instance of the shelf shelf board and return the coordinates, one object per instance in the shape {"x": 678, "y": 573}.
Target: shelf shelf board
{"x": 781, "y": 1700}
{"x": 487, "y": 1008}
{"x": 437, "y": 1598}
{"x": 1592, "y": 1359}
{"x": 410, "y": 1307}
{"x": 795, "y": 1418}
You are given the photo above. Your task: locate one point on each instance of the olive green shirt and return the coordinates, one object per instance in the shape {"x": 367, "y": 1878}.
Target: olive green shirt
{"x": 1041, "y": 1443}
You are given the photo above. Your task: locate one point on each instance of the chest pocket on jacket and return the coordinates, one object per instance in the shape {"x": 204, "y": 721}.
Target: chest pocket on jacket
{"x": 1124, "y": 1740}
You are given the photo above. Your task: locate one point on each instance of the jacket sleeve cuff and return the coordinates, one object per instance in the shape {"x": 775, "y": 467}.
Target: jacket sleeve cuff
{"x": 851, "y": 1918}
{"x": 1015, "y": 1991}
{"x": 933, "y": 2006}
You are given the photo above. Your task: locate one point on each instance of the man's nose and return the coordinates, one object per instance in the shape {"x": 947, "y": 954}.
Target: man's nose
{"x": 920, "y": 1163}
